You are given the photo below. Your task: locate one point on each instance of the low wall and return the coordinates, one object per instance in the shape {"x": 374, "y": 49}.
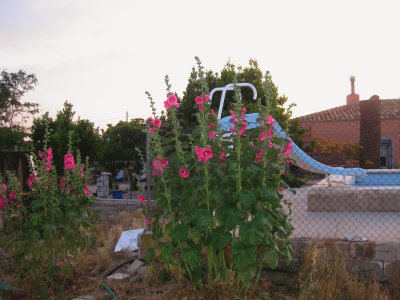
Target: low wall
{"x": 368, "y": 260}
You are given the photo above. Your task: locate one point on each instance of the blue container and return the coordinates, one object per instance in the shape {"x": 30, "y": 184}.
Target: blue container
{"x": 117, "y": 194}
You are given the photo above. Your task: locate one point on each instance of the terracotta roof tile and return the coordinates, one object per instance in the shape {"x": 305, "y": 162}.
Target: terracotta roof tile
{"x": 390, "y": 108}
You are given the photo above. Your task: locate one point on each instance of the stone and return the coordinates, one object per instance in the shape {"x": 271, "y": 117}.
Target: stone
{"x": 369, "y": 270}
{"x": 386, "y": 252}
{"x": 88, "y": 297}
{"x": 134, "y": 267}
{"x": 117, "y": 276}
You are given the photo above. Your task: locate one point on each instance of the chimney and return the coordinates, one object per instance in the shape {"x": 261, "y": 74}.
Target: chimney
{"x": 353, "y": 97}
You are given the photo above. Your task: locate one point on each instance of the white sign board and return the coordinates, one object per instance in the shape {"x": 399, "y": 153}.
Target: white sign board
{"x": 128, "y": 240}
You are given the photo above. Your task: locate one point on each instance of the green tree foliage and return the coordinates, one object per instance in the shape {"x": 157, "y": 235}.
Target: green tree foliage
{"x": 84, "y": 136}
{"x": 119, "y": 143}
{"x": 266, "y": 89}
{"x": 13, "y": 87}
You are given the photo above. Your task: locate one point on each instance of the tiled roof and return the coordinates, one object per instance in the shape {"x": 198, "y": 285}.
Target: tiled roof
{"x": 390, "y": 108}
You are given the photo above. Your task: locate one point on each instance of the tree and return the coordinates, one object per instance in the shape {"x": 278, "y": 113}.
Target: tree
{"x": 119, "y": 143}
{"x": 82, "y": 133}
{"x": 13, "y": 87}
{"x": 267, "y": 92}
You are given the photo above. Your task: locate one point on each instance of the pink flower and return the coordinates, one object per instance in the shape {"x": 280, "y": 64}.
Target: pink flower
{"x": 87, "y": 192}
{"x": 40, "y": 153}
{"x": 270, "y": 145}
{"x": 156, "y": 123}
{"x": 242, "y": 129}
{"x": 235, "y": 121}
{"x": 183, "y": 173}
{"x": 164, "y": 162}
{"x": 211, "y": 134}
{"x": 147, "y": 221}
{"x": 198, "y": 100}
{"x": 156, "y": 164}
{"x": 206, "y": 98}
{"x": 49, "y": 154}
{"x": 63, "y": 183}
{"x": 171, "y": 101}
{"x": 211, "y": 125}
{"x": 281, "y": 190}
{"x": 288, "y": 149}
{"x": 244, "y": 110}
{"x": 152, "y": 130}
{"x": 233, "y": 115}
{"x": 232, "y": 129}
{"x": 203, "y": 154}
{"x": 2, "y": 201}
{"x": 212, "y": 112}
{"x": 222, "y": 156}
{"x": 48, "y": 165}
{"x": 270, "y": 120}
{"x": 3, "y": 187}
{"x": 141, "y": 198}
{"x": 69, "y": 162}
{"x": 262, "y": 136}
{"x": 269, "y": 132}
{"x": 259, "y": 155}
{"x": 31, "y": 180}
{"x": 12, "y": 196}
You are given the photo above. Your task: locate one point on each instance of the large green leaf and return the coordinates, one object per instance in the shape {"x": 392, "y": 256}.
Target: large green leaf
{"x": 180, "y": 233}
{"x": 252, "y": 233}
{"x": 229, "y": 217}
{"x": 247, "y": 198}
{"x": 191, "y": 256}
{"x": 202, "y": 216}
{"x": 219, "y": 238}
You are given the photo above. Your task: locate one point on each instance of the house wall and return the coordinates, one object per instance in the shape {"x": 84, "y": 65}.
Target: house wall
{"x": 350, "y": 131}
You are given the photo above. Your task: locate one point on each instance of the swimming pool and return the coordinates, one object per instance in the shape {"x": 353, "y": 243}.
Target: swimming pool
{"x": 379, "y": 178}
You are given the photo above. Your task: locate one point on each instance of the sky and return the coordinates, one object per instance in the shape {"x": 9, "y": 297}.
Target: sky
{"x": 102, "y": 56}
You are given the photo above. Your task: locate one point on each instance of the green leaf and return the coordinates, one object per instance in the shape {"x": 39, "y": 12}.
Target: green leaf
{"x": 247, "y": 198}
{"x": 219, "y": 238}
{"x": 244, "y": 256}
{"x": 180, "y": 233}
{"x": 166, "y": 251}
{"x": 202, "y": 216}
{"x": 217, "y": 197}
{"x": 252, "y": 233}
{"x": 191, "y": 256}
{"x": 229, "y": 217}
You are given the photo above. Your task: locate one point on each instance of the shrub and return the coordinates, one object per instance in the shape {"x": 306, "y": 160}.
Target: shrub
{"x": 223, "y": 215}
{"x": 46, "y": 226}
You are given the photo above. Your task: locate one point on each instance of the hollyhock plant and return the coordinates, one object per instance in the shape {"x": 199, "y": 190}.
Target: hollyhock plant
{"x": 59, "y": 210}
{"x": 225, "y": 221}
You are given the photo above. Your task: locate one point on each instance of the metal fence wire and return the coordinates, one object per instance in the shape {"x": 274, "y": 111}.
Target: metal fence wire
{"x": 348, "y": 204}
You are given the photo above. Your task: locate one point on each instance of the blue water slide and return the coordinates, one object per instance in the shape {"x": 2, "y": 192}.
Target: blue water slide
{"x": 297, "y": 156}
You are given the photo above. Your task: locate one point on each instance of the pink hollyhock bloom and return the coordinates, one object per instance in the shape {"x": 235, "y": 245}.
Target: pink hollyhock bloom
{"x": 48, "y": 165}
{"x": 150, "y": 119}
{"x": 269, "y": 132}
{"x": 262, "y": 136}
{"x": 244, "y": 110}
{"x": 211, "y": 125}
{"x": 63, "y": 183}
{"x": 171, "y": 101}
{"x": 49, "y": 154}
{"x": 152, "y": 130}
{"x": 12, "y": 196}
{"x": 164, "y": 162}
{"x": 3, "y": 187}
{"x": 147, "y": 221}
{"x": 211, "y": 134}
{"x": 235, "y": 121}
{"x": 198, "y": 100}
{"x": 281, "y": 190}
{"x": 270, "y": 120}
{"x": 201, "y": 107}
{"x": 203, "y": 154}
{"x": 270, "y": 145}
{"x": 156, "y": 123}
{"x": 222, "y": 156}
{"x": 69, "y": 162}
{"x": 141, "y": 198}
{"x": 242, "y": 129}
{"x": 87, "y": 192}
{"x": 183, "y": 173}
{"x": 233, "y": 115}
{"x": 40, "y": 153}
{"x": 232, "y": 129}
{"x": 156, "y": 164}
{"x": 2, "y": 201}
{"x": 212, "y": 112}
{"x": 259, "y": 155}
{"x": 206, "y": 98}
{"x": 288, "y": 149}
{"x": 31, "y": 180}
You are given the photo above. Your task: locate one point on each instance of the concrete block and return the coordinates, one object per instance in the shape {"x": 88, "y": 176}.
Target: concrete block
{"x": 134, "y": 267}
{"x": 386, "y": 252}
{"x": 362, "y": 250}
{"x": 370, "y": 270}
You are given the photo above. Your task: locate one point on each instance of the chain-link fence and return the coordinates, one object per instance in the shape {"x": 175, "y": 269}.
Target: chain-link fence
{"x": 358, "y": 198}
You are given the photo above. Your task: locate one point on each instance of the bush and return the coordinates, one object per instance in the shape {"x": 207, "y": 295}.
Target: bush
{"x": 223, "y": 216}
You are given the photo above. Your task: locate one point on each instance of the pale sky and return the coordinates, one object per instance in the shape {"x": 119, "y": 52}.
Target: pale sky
{"x": 103, "y": 55}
